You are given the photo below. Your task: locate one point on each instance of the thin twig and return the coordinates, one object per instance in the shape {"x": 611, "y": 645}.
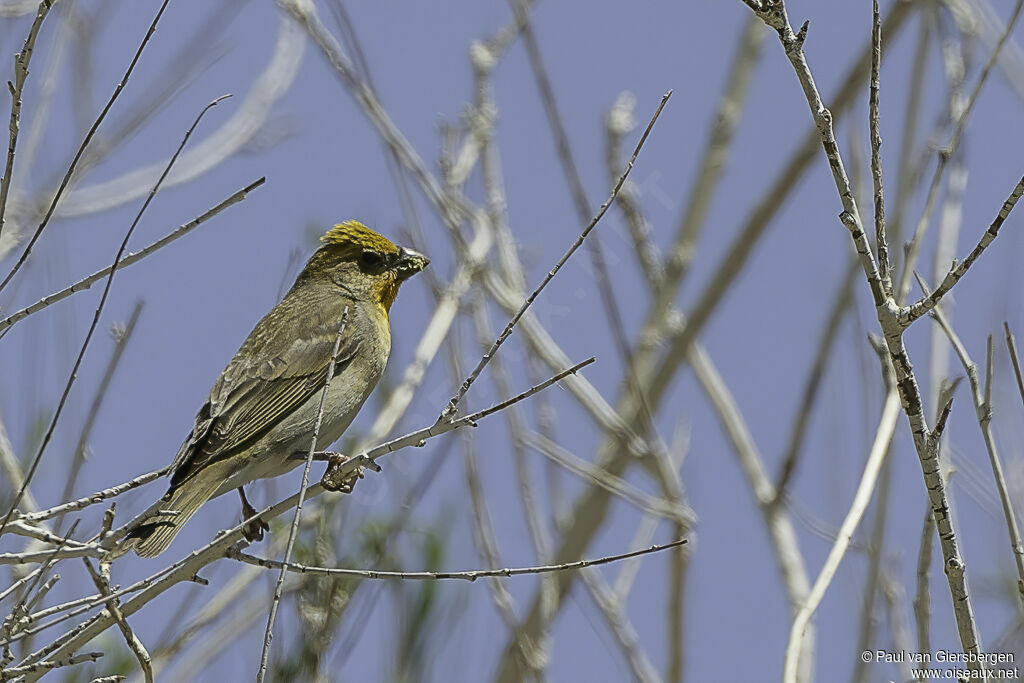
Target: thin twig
{"x": 471, "y": 575}
{"x": 1011, "y": 346}
{"x": 617, "y": 486}
{"x": 802, "y": 417}
{"x": 21, "y": 62}
{"x": 958, "y": 270}
{"x": 95, "y": 498}
{"x": 122, "y": 336}
{"x": 99, "y": 308}
{"x": 293, "y": 532}
{"x": 81, "y": 149}
{"x": 86, "y": 282}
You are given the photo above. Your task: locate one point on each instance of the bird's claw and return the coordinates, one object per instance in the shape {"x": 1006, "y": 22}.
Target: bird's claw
{"x": 253, "y": 531}
{"x": 335, "y": 480}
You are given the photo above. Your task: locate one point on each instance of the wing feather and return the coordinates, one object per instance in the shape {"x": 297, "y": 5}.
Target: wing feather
{"x": 250, "y": 398}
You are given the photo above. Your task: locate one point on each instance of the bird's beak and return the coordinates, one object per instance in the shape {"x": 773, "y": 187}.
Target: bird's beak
{"x": 410, "y": 262}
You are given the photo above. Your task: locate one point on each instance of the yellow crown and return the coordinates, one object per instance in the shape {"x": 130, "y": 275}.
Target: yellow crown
{"x": 355, "y": 234}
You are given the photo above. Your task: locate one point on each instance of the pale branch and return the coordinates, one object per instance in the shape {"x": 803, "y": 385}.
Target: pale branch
{"x": 615, "y": 485}
{"x": 777, "y": 521}
{"x": 1011, "y": 347}
{"x": 99, "y": 307}
{"x": 293, "y": 532}
{"x": 10, "y": 464}
{"x": 471, "y": 575}
{"x": 712, "y": 164}
{"x": 48, "y": 665}
{"x": 73, "y": 608}
{"x": 544, "y": 345}
{"x": 614, "y": 611}
{"x": 81, "y": 149}
{"x": 21, "y": 62}
{"x": 88, "y": 281}
{"x": 452, "y": 406}
{"x": 753, "y": 229}
{"x": 20, "y": 528}
{"x": 865, "y": 489}
{"x": 34, "y": 556}
{"x": 102, "y": 583}
{"x": 20, "y": 583}
{"x": 484, "y": 537}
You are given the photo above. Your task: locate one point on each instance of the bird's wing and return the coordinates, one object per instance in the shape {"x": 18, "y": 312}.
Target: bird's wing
{"x": 251, "y": 396}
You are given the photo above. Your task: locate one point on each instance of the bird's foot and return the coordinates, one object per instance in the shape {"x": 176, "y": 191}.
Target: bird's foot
{"x": 253, "y": 531}
{"x": 342, "y": 474}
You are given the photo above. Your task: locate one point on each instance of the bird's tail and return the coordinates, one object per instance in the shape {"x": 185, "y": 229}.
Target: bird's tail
{"x": 158, "y": 526}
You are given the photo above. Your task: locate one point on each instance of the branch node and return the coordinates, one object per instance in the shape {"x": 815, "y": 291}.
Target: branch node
{"x": 801, "y": 35}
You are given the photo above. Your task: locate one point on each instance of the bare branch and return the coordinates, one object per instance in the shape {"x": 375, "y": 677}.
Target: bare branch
{"x": 87, "y": 282}
{"x": 102, "y": 583}
{"x": 21, "y": 62}
{"x": 471, "y": 575}
{"x": 958, "y": 270}
{"x": 865, "y": 489}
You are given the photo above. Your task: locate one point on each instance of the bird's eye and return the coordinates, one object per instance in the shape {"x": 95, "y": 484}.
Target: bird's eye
{"x": 371, "y": 260}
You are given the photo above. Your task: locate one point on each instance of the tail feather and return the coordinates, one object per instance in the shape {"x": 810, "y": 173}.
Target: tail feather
{"x": 158, "y": 528}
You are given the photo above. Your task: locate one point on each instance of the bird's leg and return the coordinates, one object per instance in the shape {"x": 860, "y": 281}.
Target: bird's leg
{"x": 253, "y": 531}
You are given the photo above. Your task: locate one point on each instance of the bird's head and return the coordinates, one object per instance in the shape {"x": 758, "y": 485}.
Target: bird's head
{"x": 363, "y": 263}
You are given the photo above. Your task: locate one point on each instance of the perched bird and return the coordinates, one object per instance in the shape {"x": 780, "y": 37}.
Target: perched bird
{"x": 262, "y": 410}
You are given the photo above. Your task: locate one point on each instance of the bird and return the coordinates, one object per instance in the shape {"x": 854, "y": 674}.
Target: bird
{"x": 262, "y": 410}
